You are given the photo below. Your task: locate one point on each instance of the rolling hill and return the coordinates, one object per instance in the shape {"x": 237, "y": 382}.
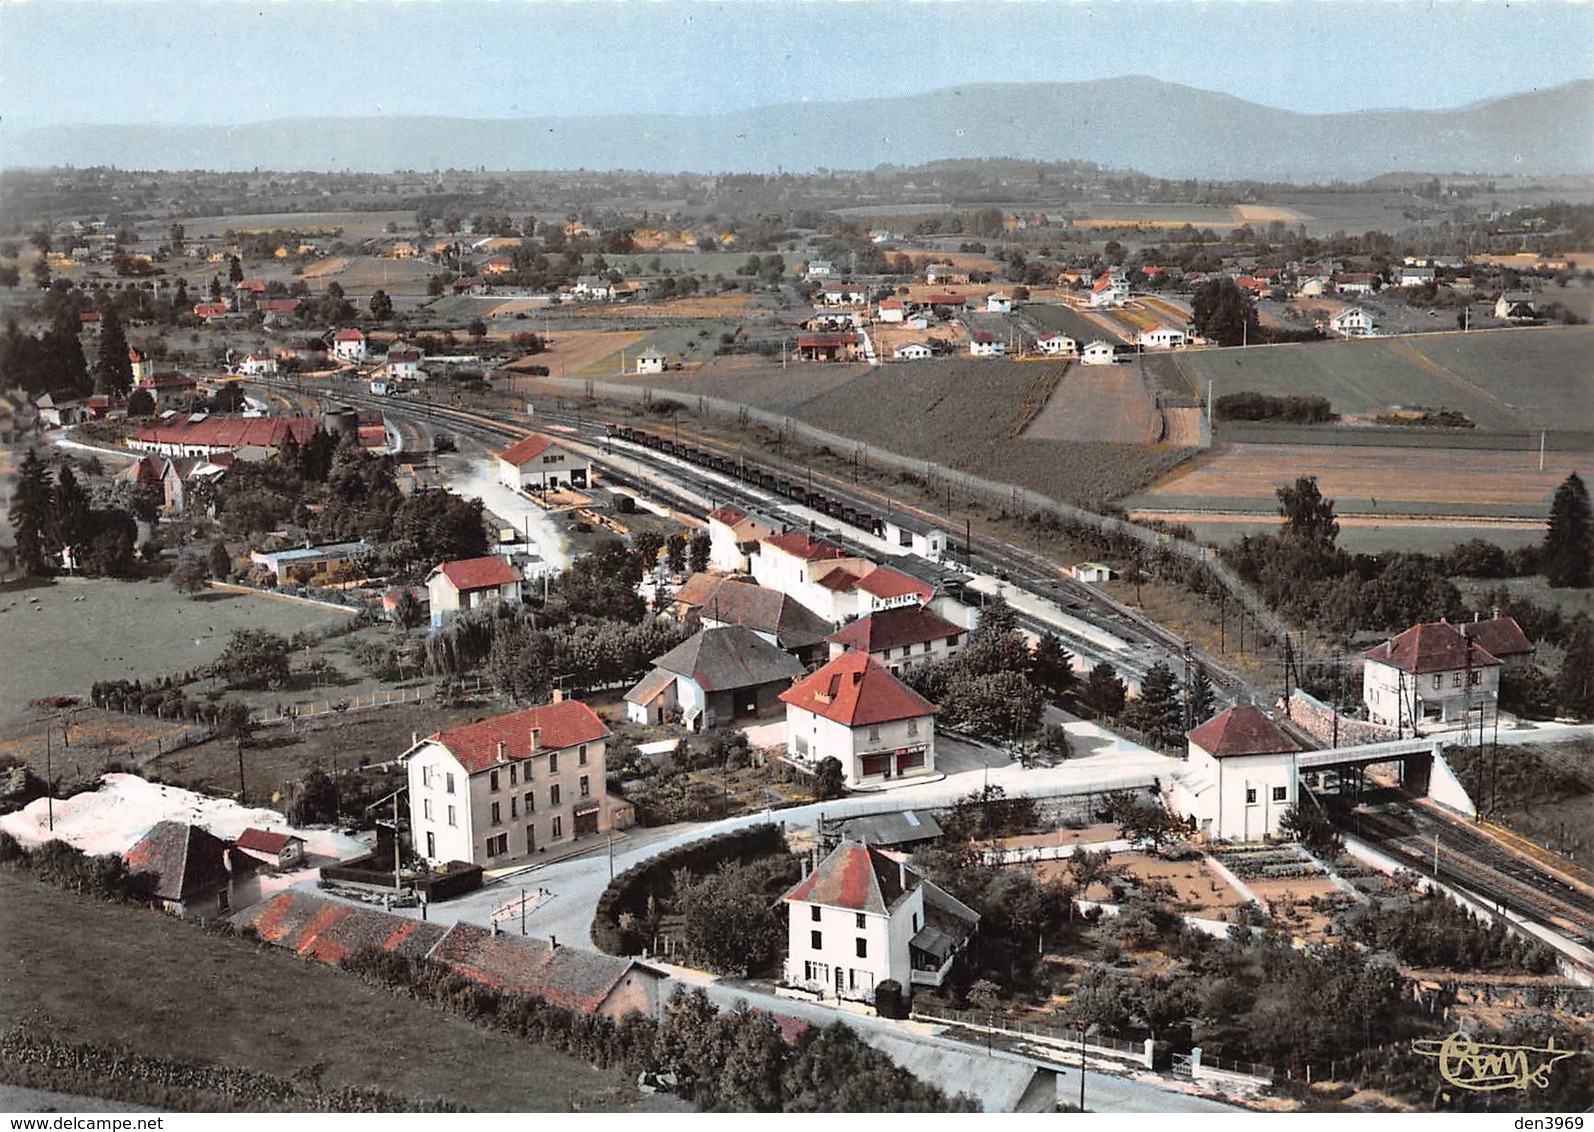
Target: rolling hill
{"x": 1160, "y": 128}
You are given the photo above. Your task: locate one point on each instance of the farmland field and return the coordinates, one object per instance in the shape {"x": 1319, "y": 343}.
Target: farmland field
{"x": 1503, "y": 380}
{"x": 958, "y": 412}
{"x": 1106, "y": 403}
{"x": 1378, "y": 482}
{"x": 355, "y": 225}
{"x": 1079, "y": 325}
{"x": 586, "y": 353}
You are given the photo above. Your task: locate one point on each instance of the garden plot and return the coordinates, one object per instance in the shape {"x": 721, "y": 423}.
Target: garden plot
{"x": 1110, "y": 404}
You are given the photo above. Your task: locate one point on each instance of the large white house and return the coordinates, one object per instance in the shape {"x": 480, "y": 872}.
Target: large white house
{"x": 1352, "y": 323}
{"x": 537, "y": 463}
{"x": 1163, "y": 338}
{"x": 899, "y": 636}
{"x": 862, "y": 917}
{"x": 1240, "y": 778}
{"x": 1431, "y": 673}
{"x": 1111, "y": 289}
{"x": 855, "y": 711}
{"x": 349, "y": 346}
{"x": 508, "y": 788}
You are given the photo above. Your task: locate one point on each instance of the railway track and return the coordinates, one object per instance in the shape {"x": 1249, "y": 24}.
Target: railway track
{"x": 984, "y": 553}
{"x": 1475, "y": 863}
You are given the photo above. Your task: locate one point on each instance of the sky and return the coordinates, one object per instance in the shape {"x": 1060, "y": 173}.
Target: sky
{"x": 227, "y": 61}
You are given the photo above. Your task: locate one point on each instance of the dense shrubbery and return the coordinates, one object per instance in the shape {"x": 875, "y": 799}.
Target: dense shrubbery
{"x": 1430, "y": 931}
{"x": 1263, "y": 407}
{"x": 723, "y": 1061}
{"x": 58, "y": 864}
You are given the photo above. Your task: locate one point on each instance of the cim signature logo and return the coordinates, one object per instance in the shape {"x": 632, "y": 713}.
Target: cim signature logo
{"x": 1483, "y": 1068}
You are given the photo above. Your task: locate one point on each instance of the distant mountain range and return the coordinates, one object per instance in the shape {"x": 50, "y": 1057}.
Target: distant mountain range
{"x": 1137, "y": 123}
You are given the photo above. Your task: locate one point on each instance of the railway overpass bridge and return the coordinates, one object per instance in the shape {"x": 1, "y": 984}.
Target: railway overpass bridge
{"x": 1423, "y": 770}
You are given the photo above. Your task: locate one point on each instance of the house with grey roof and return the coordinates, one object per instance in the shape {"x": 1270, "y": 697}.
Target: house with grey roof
{"x": 715, "y": 678}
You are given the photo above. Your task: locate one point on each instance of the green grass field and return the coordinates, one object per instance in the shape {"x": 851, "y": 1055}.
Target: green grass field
{"x": 87, "y": 971}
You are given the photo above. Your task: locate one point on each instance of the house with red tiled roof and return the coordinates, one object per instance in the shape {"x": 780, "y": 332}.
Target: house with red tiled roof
{"x": 1240, "y": 778}
{"x": 1111, "y": 289}
{"x": 781, "y": 620}
{"x": 857, "y": 712}
{"x": 470, "y": 583}
{"x": 539, "y": 463}
{"x": 199, "y": 434}
{"x": 272, "y": 847}
{"x": 509, "y": 788}
{"x": 349, "y": 346}
{"x": 794, "y": 562}
{"x": 191, "y": 872}
{"x": 898, "y": 636}
{"x": 331, "y": 932}
{"x": 168, "y": 383}
{"x": 1502, "y": 637}
{"x": 1430, "y": 674}
{"x": 258, "y": 365}
{"x": 864, "y": 916}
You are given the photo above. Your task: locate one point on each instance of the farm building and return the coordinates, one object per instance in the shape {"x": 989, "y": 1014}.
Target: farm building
{"x": 299, "y": 565}
{"x": 272, "y": 847}
{"x": 192, "y": 872}
{"x": 826, "y": 347}
{"x": 714, "y": 678}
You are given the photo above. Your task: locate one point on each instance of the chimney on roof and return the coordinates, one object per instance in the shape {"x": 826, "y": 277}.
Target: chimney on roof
{"x": 536, "y": 738}
{"x": 902, "y": 874}
{"x": 558, "y": 696}
{"x": 503, "y": 751}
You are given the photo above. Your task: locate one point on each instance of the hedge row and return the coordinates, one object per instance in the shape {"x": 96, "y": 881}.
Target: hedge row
{"x": 629, "y": 892}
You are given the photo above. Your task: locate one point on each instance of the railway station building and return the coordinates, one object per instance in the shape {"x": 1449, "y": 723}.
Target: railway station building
{"x": 537, "y": 463}
{"x": 1240, "y": 778}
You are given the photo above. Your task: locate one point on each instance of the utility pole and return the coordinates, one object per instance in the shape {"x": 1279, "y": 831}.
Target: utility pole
{"x": 49, "y": 780}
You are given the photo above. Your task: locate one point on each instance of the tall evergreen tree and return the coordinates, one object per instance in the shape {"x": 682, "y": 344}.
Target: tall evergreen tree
{"x": 113, "y": 368}
{"x": 1569, "y": 543}
{"x": 1156, "y": 710}
{"x": 1574, "y": 683}
{"x": 71, "y": 517}
{"x": 1051, "y": 666}
{"x": 1202, "y": 701}
{"x": 63, "y": 353}
{"x": 31, "y": 506}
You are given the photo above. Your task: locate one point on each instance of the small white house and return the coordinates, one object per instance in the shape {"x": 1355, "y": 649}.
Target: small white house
{"x": 470, "y": 583}
{"x": 1092, "y": 572}
{"x": 1240, "y": 779}
{"x": 862, "y": 917}
{"x": 891, "y": 310}
{"x": 256, "y": 365}
{"x": 1057, "y": 345}
{"x": 998, "y": 303}
{"x": 349, "y": 346}
{"x": 650, "y": 362}
{"x": 820, "y": 269}
{"x": 912, "y": 352}
{"x": 1099, "y": 354}
{"x": 731, "y": 534}
{"x": 1163, "y": 338}
{"x": 986, "y": 345}
{"x": 1353, "y": 323}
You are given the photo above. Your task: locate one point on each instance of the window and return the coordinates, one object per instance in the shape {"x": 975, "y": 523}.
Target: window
{"x": 863, "y": 947}
{"x": 553, "y": 763}
{"x": 874, "y": 734}
{"x": 514, "y": 807}
{"x": 913, "y": 727}
{"x": 586, "y": 787}
{"x": 1455, "y": 679}
{"x": 581, "y": 755}
{"x": 859, "y": 919}
{"x": 426, "y": 808}
{"x": 1250, "y": 795}
{"x": 926, "y": 648}
{"x": 451, "y": 820}
{"x": 1474, "y": 678}
{"x": 431, "y": 844}
{"x": 1280, "y": 793}
{"x": 448, "y": 783}
{"x": 498, "y": 817}
{"x": 952, "y": 641}
{"x": 492, "y": 781}
{"x": 1438, "y": 681}
{"x": 553, "y": 795}
{"x": 915, "y": 923}
{"x": 813, "y": 913}
{"x": 512, "y": 769}
{"x": 498, "y": 846}
{"x": 531, "y": 839}
{"x": 531, "y": 803}
{"x": 886, "y": 655}
{"x": 558, "y": 827}
{"x": 426, "y": 776}
{"x": 816, "y": 940}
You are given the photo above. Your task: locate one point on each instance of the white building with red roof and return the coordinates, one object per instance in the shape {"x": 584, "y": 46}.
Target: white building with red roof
{"x": 272, "y": 847}
{"x": 899, "y": 636}
{"x": 733, "y": 537}
{"x": 1111, "y": 289}
{"x": 143, "y": 365}
{"x": 349, "y": 346}
{"x": 1240, "y": 778}
{"x": 470, "y": 583}
{"x": 1430, "y": 674}
{"x": 257, "y": 365}
{"x": 509, "y": 788}
{"x": 794, "y": 561}
{"x": 538, "y": 463}
{"x": 201, "y": 435}
{"x": 862, "y": 917}
{"x": 857, "y": 712}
